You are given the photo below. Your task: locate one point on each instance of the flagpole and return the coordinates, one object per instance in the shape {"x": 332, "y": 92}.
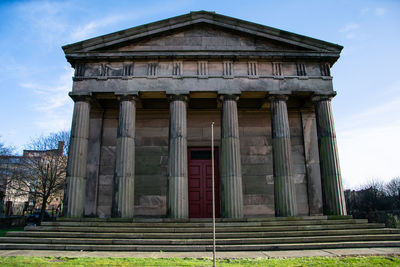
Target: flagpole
{"x": 213, "y": 190}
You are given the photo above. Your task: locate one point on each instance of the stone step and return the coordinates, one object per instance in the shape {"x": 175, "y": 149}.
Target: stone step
{"x": 208, "y": 241}
{"x": 198, "y": 224}
{"x": 203, "y": 229}
{"x": 200, "y": 220}
{"x": 179, "y": 248}
{"x": 194, "y": 235}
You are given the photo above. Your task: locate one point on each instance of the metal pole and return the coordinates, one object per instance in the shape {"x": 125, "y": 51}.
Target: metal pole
{"x": 213, "y": 189}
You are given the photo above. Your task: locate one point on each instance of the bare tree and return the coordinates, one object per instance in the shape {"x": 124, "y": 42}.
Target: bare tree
{"x": 6, "y": 150}
{"x": 51, "y": 141}
{"x": 392, "y": 189}
{"x": 6, "y": 153}
{"x": 42, "y": 169}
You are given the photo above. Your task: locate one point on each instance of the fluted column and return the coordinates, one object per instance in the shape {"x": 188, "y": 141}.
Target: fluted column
{"x": 178, "y": 206}
{"x": 334, "y": 202}
{"x": 77, "y": 156}
{"x": 230, "y": 165}
{"x": 284, "y": 187}
{"x": 125, "y": 158}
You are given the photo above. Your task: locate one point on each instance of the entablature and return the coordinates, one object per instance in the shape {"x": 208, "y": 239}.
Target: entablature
{"x": 206, "y": 100}
{"x": 206, "y": 68}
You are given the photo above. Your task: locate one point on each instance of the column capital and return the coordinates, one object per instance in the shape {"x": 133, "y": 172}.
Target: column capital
{"x": 224, "y": 97}
{"x": 278, "y": 97}
{"x": 126, "y": 96}
{"x": 87, "y": 96}
{"x": 178, "y": 97}
{"x": 323, "y": 97}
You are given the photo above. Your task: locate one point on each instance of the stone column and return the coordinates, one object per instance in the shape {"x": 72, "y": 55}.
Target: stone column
{"x": 284, "y": 187}
{"x": 178, "y": 201}
{"x": 230, "y": 165}
{"x": 125, "y": 159}
{"x": 334, "y": 202}
{"x": 77, "y": 156}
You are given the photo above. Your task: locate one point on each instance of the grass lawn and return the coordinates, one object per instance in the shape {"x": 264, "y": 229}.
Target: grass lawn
{"x": 309, "y": 261}
{"x": 3, "y": 231}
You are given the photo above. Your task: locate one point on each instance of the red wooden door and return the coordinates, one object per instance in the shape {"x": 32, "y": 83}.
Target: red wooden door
{"x": 200, "y": 183}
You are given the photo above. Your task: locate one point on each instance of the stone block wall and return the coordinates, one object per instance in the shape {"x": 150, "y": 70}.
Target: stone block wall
{"x": 151, "y": 162}
{"x": 257, "y": 167}
{"x": 151, "y": 159}
{"x": 107, "y": 163}
{"x": 299, "y": 167}
{"x": 256, "y": 156}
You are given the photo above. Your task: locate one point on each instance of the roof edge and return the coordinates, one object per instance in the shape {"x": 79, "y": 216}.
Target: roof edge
{"x": 197, "y": 17}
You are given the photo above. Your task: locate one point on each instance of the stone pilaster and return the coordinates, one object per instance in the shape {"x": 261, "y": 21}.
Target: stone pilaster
{"x": 77, "y": 156}
{"x": 311, "y": 154}
{"x": 178, "y": 201}
{"x": 284, "y": 187}
{"x": 230, "y": 164}
{"x": 334, "y": 202}
{"x": 124, "y": 190}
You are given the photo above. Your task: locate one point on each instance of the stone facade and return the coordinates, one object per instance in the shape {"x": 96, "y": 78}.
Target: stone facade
{"x": 145, "y": 95}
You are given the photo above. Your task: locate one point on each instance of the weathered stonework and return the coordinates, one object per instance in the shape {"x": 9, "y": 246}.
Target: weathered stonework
{"x": 124, "y": 190}
{"x": 285, "y": 194}
{"x": 177, "y": 159}
{"x": 329, "y": 160}
{"x": 230, "y": 164}
{"x": 130, "y": 157}
{"x": 77, "y": 157}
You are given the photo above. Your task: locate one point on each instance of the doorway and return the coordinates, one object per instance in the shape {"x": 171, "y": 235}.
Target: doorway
{"x": 200, "y": 182}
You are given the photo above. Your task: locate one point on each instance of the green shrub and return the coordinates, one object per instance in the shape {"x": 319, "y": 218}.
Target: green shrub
{"x": 392, "y": 221}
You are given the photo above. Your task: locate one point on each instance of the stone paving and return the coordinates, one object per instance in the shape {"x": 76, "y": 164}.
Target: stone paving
{"x": 222, "y": 255}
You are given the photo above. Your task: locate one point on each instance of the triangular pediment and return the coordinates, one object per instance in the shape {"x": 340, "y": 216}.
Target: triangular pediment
{"x": 201, "y": 31}
{"x": 204, "y": 37}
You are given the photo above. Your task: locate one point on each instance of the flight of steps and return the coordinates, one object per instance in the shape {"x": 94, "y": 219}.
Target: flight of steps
{"x": 309, "y": 232}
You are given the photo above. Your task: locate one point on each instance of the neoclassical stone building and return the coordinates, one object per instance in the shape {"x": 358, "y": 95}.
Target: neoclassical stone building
{"x": 145, "y": 99}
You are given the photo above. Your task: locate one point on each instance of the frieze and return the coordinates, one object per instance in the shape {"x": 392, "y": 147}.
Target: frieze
{"x": 127, "y": 69}
{"x": 177, "y": 68}
{"x": 202, "y": 69}
{"x": 79, "y": 69}
{"x": 227, "y": 69}
{"x": 301, "y": 69}
{"x": 325, "y": 69}
{"x": 252, "y": 69}
{"x": 276, "y": 68}
{"x": 152, "y": 69}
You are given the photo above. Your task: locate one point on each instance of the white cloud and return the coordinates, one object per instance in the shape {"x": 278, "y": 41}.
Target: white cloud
{"x": 54, "y": 105}
{"x": 90, "y": 28}
{"x": 349, "y": 27}
{"x": 369, "y": 142}
{"x": 369, "y": 152}
{"x": 364, "y": 11}
{"x": 349, "y": 30}
{"x": 45, "y": 20}
{"x": 380, "y": 11}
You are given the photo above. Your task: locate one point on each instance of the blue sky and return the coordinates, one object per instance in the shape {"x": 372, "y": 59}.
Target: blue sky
{"x": 35, "y": 78}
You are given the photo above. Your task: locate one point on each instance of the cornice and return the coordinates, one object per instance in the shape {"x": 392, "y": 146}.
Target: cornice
{"x": 199, "y": 17}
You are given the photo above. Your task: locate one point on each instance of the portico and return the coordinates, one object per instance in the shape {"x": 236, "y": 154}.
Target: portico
{"x": 146, "y": 96}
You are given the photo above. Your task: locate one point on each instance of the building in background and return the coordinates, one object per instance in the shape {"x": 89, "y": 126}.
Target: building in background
{"x": 145, "y": 99}
{"x": 17, "y": 192}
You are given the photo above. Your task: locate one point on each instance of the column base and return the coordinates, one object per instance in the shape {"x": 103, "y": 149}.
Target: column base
{"x": 178, "y": 207}
{"x": 76, "y": 196}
